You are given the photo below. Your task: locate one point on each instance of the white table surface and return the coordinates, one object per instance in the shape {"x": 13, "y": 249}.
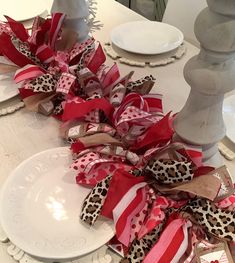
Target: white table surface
{"x": 23, "y": 133}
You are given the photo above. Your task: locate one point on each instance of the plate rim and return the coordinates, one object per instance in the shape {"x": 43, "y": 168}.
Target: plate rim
{"x": 14, "y": 94}
{"x": 41, "y": 4}
{"x": 10, "y": 97}
{"x": 152, "y": 22}
{"x": 50, "y": 257}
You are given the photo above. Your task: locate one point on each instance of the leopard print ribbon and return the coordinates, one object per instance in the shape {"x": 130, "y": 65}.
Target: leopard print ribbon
{"x": 217, "y": 222}
{"x": 57, "y": 102}
{"x": 45, "y": 83}
{"x": 139, "y": 248}
{"x": 24, "y": 49}
{"x": 141, "y": 86}
{"x": 81, "y": 63}
{"x": 170, "y": 171}
{"x": 94, "y": 201}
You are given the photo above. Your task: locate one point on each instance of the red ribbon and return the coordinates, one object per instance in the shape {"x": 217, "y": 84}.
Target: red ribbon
{"x": 56, "y": 24}
{"x": 161, "y": 132}
{"x": 120, "y": 184}
{"x": 18, "y": 29}
{"x": 9, "y": 50}
{"x": 75, "y": 110}
{"x": 97, "y": 60}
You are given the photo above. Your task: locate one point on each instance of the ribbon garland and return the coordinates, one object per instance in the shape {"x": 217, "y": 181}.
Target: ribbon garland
{"x": 157, "y": 191}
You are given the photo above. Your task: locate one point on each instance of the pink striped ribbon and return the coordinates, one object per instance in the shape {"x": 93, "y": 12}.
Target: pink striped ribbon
{"x": 45, "y": 54}
{"x": 28, "y": 72}
{"x": 172, "y": 244}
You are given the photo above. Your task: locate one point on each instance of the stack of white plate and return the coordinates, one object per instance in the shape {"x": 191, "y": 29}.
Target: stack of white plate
{"x": 40, "y": 205}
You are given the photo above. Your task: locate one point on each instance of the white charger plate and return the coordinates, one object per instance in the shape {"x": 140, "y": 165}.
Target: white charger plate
{"x": 21, "y": 10}
{"x": 40, "y": 206}
{"x": 8, "y": 88}
{"x": 229, "y": 117}
{"x": 146, "y": 37}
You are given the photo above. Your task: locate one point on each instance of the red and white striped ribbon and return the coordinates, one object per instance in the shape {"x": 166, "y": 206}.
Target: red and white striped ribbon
{"x": 172, "y": 244}
{"x": 45, "y": 54}
{"x": 28, "y": 72}
{"x": 130, "y": 205}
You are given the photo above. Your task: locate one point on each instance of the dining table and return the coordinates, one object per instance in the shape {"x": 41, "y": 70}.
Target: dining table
{"x": 25, "y": 133}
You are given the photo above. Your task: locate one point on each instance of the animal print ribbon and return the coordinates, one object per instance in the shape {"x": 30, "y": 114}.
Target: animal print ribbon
{"x": 170, "y": 171}
{"x": 139, "y": 248}
{"x": 215, "y": 221}
{"x": 94, "y": 201}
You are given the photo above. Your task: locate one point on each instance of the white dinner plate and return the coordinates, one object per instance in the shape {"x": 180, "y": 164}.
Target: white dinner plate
{"x": 8, "y": 88}
{"x": 146, "y": 37}
{"x": 40, "y": 206}
{"x": 229, "y": 117}
{"x": 21, "y": 10}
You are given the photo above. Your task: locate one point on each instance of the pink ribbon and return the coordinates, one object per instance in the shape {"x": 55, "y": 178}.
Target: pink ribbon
{"x": 65, "y": 82}
{"x": 172, "y": 243}
{"x": 78, "y": 49}
{"x": 28, "y": 72}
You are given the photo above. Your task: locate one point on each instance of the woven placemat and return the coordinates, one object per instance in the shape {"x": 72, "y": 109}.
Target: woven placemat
{"x": 10, "y": 106}
{"x": 138, "y": 60}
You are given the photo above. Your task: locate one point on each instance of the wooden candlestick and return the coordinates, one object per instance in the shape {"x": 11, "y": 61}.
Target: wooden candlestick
{"x": 210, "y": 74}
{"x": 77, "y": 13}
